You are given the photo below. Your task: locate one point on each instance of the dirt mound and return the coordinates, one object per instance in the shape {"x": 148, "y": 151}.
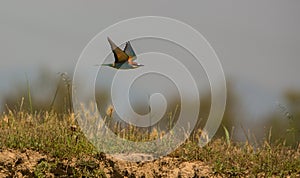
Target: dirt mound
{"x": 28, "y": 163}
{"x": 14, "y": 163}
{"x": 163, "y": 167}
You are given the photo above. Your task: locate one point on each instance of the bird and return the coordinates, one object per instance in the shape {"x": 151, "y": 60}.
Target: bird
{"x": 124, "y": 59}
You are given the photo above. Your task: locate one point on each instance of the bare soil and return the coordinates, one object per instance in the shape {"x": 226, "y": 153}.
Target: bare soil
{"x": 29, "y": 163}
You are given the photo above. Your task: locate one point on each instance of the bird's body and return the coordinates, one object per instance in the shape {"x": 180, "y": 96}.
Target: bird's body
{"x": 123, "y": 59}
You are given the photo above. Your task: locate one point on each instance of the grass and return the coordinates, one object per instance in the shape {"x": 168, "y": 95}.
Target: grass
{"x": 60, "y": 137}
{"x": 243, "y": 159}
{"x": 43, "y": 131}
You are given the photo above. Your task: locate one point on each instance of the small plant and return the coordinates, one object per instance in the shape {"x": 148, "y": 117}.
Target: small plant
{"x": 227, "y": 137}
{"x": 28, "y": 94}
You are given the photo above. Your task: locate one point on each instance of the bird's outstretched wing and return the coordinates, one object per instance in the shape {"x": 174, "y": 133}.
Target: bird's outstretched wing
{"x": 120, "y": 56}
{"x": 129, "y": 51}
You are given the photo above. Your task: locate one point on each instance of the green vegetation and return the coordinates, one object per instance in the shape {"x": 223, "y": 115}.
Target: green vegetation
{"x": 61, "y": 138}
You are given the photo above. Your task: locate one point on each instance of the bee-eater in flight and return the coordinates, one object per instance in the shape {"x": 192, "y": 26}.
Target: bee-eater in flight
{"x": 123, "y": 59}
